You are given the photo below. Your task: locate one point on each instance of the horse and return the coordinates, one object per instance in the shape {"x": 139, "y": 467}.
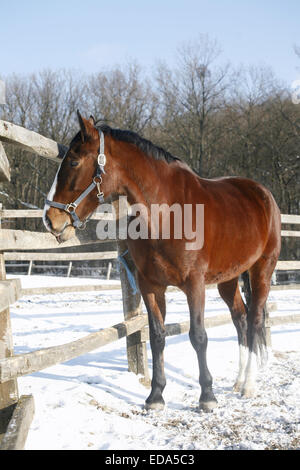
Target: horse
{"x": 241, "y": 228}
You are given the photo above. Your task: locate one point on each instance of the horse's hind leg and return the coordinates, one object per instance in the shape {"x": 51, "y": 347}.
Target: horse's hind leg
{"x": 230, "y": 293}
{"x": 195, "y": 292}
{"x": 154, "y": 298}
{"x": 260, "y": 276}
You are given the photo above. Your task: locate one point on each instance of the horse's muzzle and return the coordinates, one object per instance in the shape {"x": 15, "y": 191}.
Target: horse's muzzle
{"x": 62, "y": 233}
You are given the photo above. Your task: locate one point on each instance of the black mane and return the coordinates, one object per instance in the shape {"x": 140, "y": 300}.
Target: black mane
{"x": 143, "y": 144}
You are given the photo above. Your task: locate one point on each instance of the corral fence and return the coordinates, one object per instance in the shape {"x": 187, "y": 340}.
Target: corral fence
{"x": 16, "y": 412}
{"x": 103, "y": 261}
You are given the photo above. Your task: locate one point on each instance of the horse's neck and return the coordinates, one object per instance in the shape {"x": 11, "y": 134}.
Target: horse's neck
{"x": 143, "y": 179}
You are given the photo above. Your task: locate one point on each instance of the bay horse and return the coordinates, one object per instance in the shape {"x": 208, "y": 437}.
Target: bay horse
{"x": 241, "y": 234}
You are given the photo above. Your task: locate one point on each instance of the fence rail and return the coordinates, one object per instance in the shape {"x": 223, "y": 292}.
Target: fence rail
{"x": 23, "y": 364}
{"x": 31, "y": 141}
{"x": 19, "y": 256}
{"x": 38, "y": 213}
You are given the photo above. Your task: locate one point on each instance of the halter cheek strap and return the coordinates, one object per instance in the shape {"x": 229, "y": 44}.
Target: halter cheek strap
{"x": 97, "y": 180}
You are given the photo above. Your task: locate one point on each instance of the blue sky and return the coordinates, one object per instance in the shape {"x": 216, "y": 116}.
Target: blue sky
{"x": 92, "y": 35}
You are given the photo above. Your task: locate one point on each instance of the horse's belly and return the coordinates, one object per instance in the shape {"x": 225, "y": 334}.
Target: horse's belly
{"x": 229, "y": 269}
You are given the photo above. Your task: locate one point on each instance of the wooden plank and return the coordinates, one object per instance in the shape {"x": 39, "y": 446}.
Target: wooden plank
{"x": 47, "y": 266}
{"x": 23, "y": 364}
{"x": 4, "y": 166}
{"x": 173, "y": 329}
{"x": 290, "y": 219}
{"x": 291, "y": 286}
{"x": 282, "y": 319}
{"x": 21, "y": 213}
{"x": 38, "y": 213}
{"x": 32, "y": 213}
{"x": 31, "y": 141}
{"x": 9, "y": 391}
{"x": 287, "y": 265}
{"x": 19, "y": 424}
{"x": 26, "y": 240}
{"x": 63, "y": 289}
{"x": 290, "y": 233}
{"x": 90, "y": 288}
{"x": 209, "y": 322}
{"x": 20, "y": 256}
{"x": 10, "y": 292}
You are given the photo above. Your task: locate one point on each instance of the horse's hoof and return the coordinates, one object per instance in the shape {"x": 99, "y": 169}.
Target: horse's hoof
{"x": 237, "y": 386}
{"x": 154, "y": 406}
{"x": 208, "y": 406}
{"x": 248, "y": 392}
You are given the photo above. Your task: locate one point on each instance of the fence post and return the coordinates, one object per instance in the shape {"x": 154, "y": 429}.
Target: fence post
{"x": 69, "y": 269}
{"x": 132, "y": 306}
{"x": 9, "y": 390}
{"x": 30, "y": 267}
{"x": 108, "y": 271}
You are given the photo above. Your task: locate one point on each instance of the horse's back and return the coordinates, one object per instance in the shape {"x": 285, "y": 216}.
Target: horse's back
{"x": 237, "y": 198}
{"x": 242, "y": 223}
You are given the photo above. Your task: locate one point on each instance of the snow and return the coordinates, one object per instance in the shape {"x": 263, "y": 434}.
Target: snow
{"x": 93, "y": 402}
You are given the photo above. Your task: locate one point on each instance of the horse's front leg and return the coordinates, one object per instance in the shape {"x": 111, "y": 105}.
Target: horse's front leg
{"x": 154, "y": 298}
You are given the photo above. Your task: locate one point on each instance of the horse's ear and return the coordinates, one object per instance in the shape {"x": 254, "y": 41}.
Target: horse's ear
{"x": 92, "y": 120}
{"x": 83, "y": 129}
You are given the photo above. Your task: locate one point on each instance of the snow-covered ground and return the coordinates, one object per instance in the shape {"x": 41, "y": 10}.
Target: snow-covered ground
{"x": 93, "y": 402}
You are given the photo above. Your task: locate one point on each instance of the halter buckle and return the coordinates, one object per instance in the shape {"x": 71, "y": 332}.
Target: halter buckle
{"x": 70, "y": 206}
{"x": 101, "y": 160}
{"x": 82, "y": 225}
{"x": 99, "y": 179}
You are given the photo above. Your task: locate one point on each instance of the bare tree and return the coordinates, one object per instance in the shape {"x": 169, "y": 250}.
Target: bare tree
{"x": 122, "y": 98}
{"x": 262, "y": 134}
{"x": 190, "y": 96}
{"x": 46, "y": 103}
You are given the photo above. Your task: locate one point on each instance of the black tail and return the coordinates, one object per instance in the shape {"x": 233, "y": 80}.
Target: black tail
{"x": 260, "y": 344}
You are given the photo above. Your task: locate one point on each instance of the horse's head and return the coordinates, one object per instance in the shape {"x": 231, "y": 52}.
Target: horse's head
{"x": 76, "y": 191}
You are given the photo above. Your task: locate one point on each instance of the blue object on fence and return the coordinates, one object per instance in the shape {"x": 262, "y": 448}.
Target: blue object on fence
{"x": 130, "y": 276}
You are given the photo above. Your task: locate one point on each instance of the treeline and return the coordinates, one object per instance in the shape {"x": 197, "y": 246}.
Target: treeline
{"x": 220, "y": 120}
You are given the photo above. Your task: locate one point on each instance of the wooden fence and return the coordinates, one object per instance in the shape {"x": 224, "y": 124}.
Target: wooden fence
{"x": 69, "y": 257}
{"x": 16, "y": 413}
{"x": 14, "y": 425}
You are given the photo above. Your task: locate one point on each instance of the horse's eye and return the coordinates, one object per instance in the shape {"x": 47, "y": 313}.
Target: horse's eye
{"x": 74, "y": 163}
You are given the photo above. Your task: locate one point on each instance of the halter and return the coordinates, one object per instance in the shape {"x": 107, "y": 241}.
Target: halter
{"x": 97, "y": 180}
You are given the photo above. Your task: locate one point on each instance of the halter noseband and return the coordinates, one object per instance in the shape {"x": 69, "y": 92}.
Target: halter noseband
{"x": 97, "y": 180}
